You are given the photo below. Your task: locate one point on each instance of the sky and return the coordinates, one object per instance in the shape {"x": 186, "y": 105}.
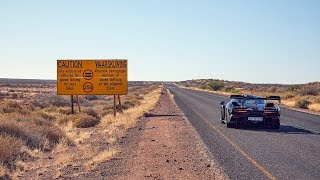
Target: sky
{"x": 257, "y": 41}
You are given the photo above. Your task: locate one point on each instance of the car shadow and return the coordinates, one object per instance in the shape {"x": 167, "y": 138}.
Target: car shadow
{"x": 284, "y": 129}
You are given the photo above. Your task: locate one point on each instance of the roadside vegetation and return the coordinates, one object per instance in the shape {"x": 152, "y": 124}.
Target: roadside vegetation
{"x": 304, "y": 96}
{"x": 35, "y": 121}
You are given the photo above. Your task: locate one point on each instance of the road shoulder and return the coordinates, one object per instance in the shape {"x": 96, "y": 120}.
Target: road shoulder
{"x": 163, "y": 145}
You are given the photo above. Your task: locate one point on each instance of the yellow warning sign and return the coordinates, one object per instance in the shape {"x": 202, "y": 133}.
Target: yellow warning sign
{"x": 99, "y": 77}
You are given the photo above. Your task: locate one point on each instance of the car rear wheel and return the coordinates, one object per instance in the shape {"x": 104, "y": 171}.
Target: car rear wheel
{"x": 276, "y": 126}
{"x": 229, "y": 125}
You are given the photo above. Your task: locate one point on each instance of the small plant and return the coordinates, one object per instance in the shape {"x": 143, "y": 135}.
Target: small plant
{"x": 215, "y": 85}
{"x": 85, "y": 121}
{"x": 294, "y": 87}
{"x": 45, "y": 100}
{"x": 12, "y": 106}
{"x": 91, "y": 97}
{"x": 10, "y": 148}
{"x": 302, "y": 103}
{"x": 91, "y": 112}
{"x": 231, "y": 90}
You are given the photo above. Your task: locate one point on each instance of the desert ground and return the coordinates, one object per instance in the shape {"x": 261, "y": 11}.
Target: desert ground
{"x": 35, "y": 122}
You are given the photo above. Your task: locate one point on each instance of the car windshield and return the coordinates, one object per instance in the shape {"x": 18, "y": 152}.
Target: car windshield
{"x": 252, "y": 103}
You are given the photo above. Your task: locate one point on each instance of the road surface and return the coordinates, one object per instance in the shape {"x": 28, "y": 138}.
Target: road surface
{"x": 292, "y": 152}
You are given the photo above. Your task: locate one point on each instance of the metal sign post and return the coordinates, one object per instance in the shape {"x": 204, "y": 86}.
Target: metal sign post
{"x": 114, "y": 106}
{"x": 78, "y": 103}
{"x": 72, "y": 110}
{"x": 121, "y": 110}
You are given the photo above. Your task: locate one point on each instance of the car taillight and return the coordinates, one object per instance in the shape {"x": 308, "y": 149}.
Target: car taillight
{"x": 240, "y": 111}
{"x": 270, "y": 112}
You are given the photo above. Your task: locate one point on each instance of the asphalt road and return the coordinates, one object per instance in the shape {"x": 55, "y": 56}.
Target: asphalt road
{"x": 292, "y": 152}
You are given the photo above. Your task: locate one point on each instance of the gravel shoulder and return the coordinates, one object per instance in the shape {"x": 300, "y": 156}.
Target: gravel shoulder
{"x": 163, "y": 145}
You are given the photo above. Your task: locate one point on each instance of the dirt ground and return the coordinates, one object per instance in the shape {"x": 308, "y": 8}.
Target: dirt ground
{"x": 163, "y": 145}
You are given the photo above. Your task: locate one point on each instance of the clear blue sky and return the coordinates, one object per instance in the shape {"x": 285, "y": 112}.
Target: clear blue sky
{"x": 265, "y": 41}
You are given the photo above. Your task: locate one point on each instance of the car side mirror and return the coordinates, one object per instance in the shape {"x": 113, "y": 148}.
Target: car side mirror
{"x": 222, "y": 102}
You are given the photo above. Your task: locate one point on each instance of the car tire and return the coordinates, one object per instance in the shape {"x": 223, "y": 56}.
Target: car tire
{"x": 229, "y": 125}
{"x": 276, "y": 127}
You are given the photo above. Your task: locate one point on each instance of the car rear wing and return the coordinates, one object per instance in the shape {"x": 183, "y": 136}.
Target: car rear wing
{"x": 235, "y": 96}
{"x": 276, "y": 98}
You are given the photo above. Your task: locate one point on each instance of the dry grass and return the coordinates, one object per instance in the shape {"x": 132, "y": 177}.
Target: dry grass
{"x": 129, "y": 118}
{"x": 2, "y": 170}
{"x": 10, "y": 148}
{"x": 314, "y": 107}
{"x": 100, "y": 158}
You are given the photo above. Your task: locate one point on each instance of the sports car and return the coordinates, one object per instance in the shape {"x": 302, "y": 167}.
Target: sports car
{"x": 244, "y": 110}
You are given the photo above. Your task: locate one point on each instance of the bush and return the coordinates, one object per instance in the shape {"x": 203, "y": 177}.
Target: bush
{"x": 10, "y": 148}
{"x": 11, "y": 106}
{"x": 302, "y": 103}
{"x": 309, "y": 90}
{"x": 129, "y": 104}
{"x": 215, "y": 85}
{"x": 91, "y": 97}
{"x": 294, "y": 87}
{"x": 287, "y": 96}
{"x": 231, "y": 90}
{"x": 46, "y": 115}
{"x": 85, "y": 121}
{"x": 35, "y": 132}
{"x": 45, "y": 100}
{"x": 272, "y": 89}
{"x": 91, "y": 112}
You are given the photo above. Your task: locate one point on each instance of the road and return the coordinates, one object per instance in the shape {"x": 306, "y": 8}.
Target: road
{"x": 292, "y": 152}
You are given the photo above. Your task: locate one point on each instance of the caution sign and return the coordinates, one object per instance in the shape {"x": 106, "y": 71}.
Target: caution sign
{"x": 98, "y": 77}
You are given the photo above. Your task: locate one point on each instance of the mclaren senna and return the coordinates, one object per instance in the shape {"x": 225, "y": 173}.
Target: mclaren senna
{"x": 245, "y": 110}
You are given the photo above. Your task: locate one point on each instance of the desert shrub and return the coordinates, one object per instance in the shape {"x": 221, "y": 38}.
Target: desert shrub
{"x": 45, "y": 115}
{"x": 11, "y": 106}
{"x": 65, "y": 111}
{"x": 317, "y": 99}
{"x": 302, "y": 103}
{"x": 45, "y": 100}
{"x": 272, "y": 89}
{"x": 287, "y": 96}
{"x": 105, "y": 112}
{"x": 64, "y": 119}
{"x": 91, "y": 112}
{"x": 215, "y": 85}
{"x": 231, "y": 90}
{"x": 107, "y": 107}
{"x": 36, "y": 133}
{"x": 129, "y": 104}
{"x": 14, "y": 96}
{"x": 309, "y": 90}
{"x": 85, "y": 121}
{"x": 294, "y": 87}
{"x": 91, "y": 97}
{"x": 10, "y": 148}
{"x": 139, "y": 97}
